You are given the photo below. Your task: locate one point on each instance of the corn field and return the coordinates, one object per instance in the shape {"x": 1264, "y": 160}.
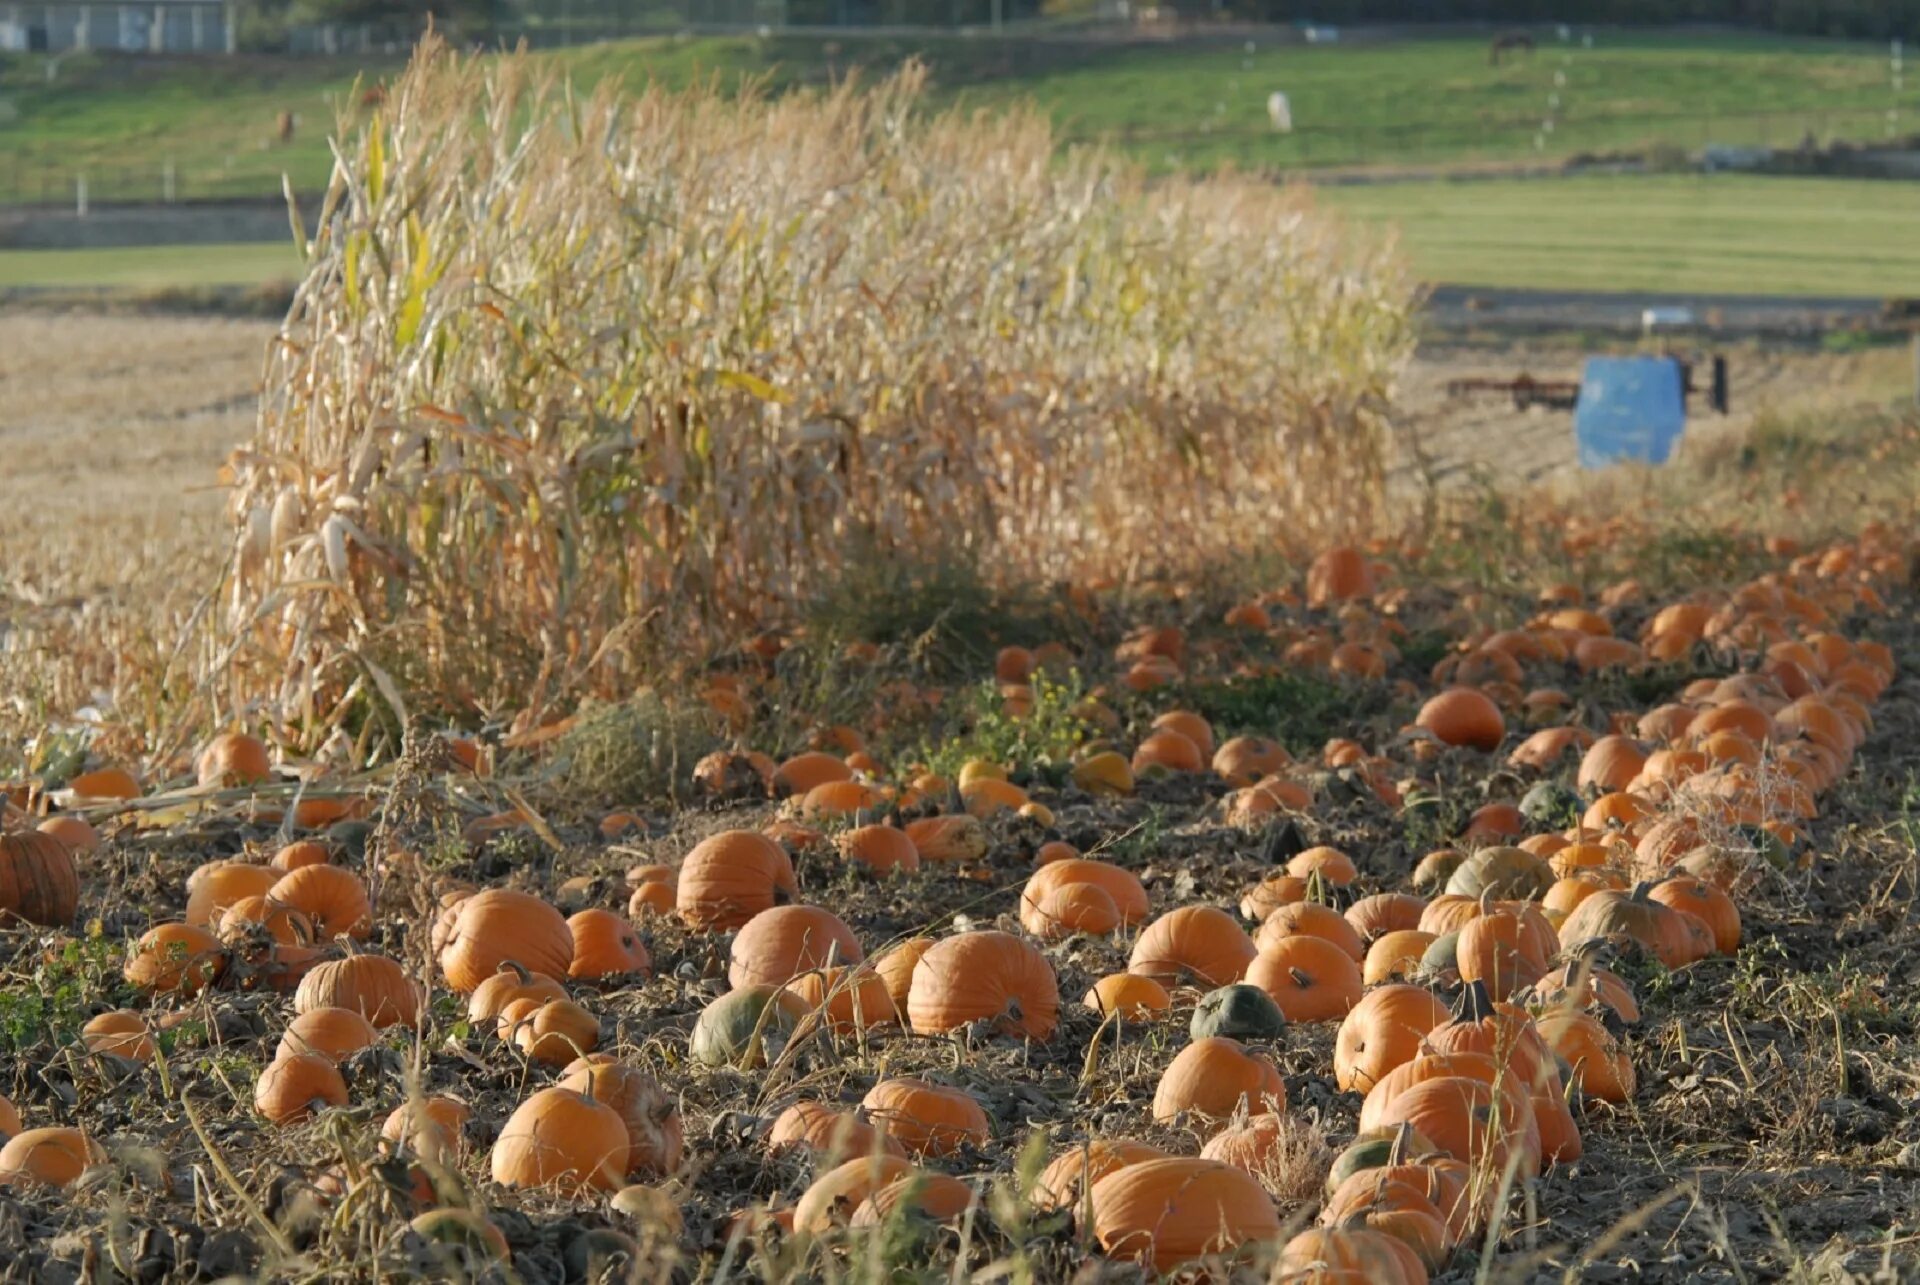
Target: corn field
{"x": 574, "y": 383}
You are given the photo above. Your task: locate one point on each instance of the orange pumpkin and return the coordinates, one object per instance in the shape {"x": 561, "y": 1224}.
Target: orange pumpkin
{"x": 830, "y": 1134}
{"x": 1214, "y": 1078}
{"x": 501, "y": 924}
{"x": 1600, "y": 1067}
{"x": 782, "y": 942}
{"x": 121, "y": 1033}
{"x": 730, "y": 877}
{"x": 1124, "y": 889}
{"x": 563, "y": 1139}
{"x": 234, "y": 759}
{"x": 1310, "y": 978}
{"x": 1385, "y": 1029}
{"x": 374, "y": 986}
{"x": 331, "y": 1033}
{"x": 216, "y": 887}
{"x": 1138, "y": 999}
{"x": 1170, "y": 1211}
{"x": 1310, "y": 919}
{"x": 881, "y": 849}
{"x": 987, "y": 976}
{"x": 1064, "y": 1183}
{"x": 174, "y": 957}
{"x": 655, "y": 1139}
{"x": 51, "y": 1157}
{"x": 332, "y": 897}
{"x": 605, "y": 945}
{"x": 1194, "y": 944}
{"x": 928, "y": 1119}
{"x": 38, "y": 879}
{"x": 289, "y": 1089}
{"x": 1464, "y": 716}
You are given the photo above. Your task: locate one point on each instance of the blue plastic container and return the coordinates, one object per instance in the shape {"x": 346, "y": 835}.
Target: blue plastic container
{"x": 1631, "y": 408}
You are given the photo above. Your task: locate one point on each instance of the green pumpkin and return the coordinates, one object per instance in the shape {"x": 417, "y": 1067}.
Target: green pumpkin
{"x": 1440, "y": 963}
{"x": 746, "y": 1028}
{"x": 1376, "y": 1149}
{"x": 1550, "y": 805}
{"x": 1239, "y": 1011}
{"x": 1510, "y": 874}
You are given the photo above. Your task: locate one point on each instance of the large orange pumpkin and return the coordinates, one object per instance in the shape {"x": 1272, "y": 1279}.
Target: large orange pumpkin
{"x": 563, "y": 1139}
{"x": 501, "y": 924}
{"x": 730, "y": 877}
{"x": 1193, "y": 945}
{"x": 987, "y": 976}
{"x": 1171, "y": 1211}
{"x": 928, "y": 1119}
{"x": 1383, "y": 1030}
{"x": 1214, "y": 1078}
{"x": 38, "y": 879}
{"x": 782, "y": 942}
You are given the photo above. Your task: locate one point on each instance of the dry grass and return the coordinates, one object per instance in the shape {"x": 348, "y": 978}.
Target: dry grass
{"x": 570, "y": 383}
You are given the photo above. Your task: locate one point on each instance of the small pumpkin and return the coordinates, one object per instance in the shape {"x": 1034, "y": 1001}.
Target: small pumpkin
{"x": 332, "y": 1033}
{"x": 932, "y": 1197}
{"x": 50, "y": 1157}
{"x": 1385, "y": 912}
{"x": 1213, "y": 1079}
{"x": 782, "y": 942}
{"x": 1350, "y": 1254}
{"x": 1135, "y": 998}
{"x": 881, "y": 849}
{"x": 1170, "y": 1211}
{"x": 500, "y": 924}
{"x": 1707, "y": 903}
{"x": 746, "y": 1028}
{"x": 374, "y": 986}
{"x": 1310, "y": 978}
{"x": 851, "y": 997}
{"x": 290, "y": 1088}
{"x": 655, "y": 1137}
{"x": 894, "y": 966}
{"x": 562, "y": 1139}
{"x": 730, "y": 877}
{"x": 831, "y": 1134}
{"x": 301, "y": 852}
{"x": 174, "y": 958}
{"x": 1635, "y": 916}
{"x": 928, "y": 1119}
{"x": 605, "y": 945}
{"x": 1194, "y": 944}
{"x": 234, "y": 759}
{"x": 513, "y": 981}
{"x": 557, "y": 1032}
{"x": 984, "y": 976}
{"x": 1463, "y": 716}
{"x": 121, "y": 1033}
{"x": 281, "y": 924}
{"x": 1240, "y": 1011}
{"x": 1385, "y": 1029}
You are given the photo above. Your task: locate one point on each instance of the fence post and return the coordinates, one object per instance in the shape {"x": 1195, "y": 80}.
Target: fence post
{"x": 80, "y": 195}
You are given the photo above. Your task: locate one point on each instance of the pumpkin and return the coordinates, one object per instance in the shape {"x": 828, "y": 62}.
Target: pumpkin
{"x": 510, "y": 983}
{"x": 80, "y": 837}
{"x": 52, "y": 1157}
{"x": 458, "y": 1242}
{"x": 1122, "y": 887}
{"x": 730, "y": 877}
{"x": 234, "y": 759}
{"x": 839, "y": 799}
{"x": 1213, "y": 1079}
{"x": 1385, "y": 1029}
{"x": 1579, "y": 984}
{"x": 1310, "y": 919}
{"x": 655, "y": 1139}
{"x": 1245, "y": 759}
{"x": 104, "y": 783}
{"x": 557, "y": 1032}
{"x": 280, "y": 924}
{"x": 1436, "y": 868}
{"x": 1064, "y": 1183}
{"x": 1194, "y": 944}
{"x": 1341, "y": 574}
{"x": 806, "y": 771}
{"x": 1471, "y": 1121}
{"x": 928, "y": 1119}
{"x": 1545, "y": 747}
{"x": 289, "y": 1089}
{"x": 989, "y": 976}
{"x": 174, "y": 957}
{"x": 1395, "y": 955}
{"x": 563, "y": 1139}
{"x": 1506, "y": 873}
{"x": 1105, "y": 773}
{"x": 302, "y": 852}
{"x": 432, "y": 1127}
{"x": 1502, "y": 1032}
{"x": 1270, "y": 894}
{"x": 944, "y": 840}
{"x": 121, "y": 1033}
{"x": 1635, "y": 916}
{"x": 782, "y": 942}
{"x": 895, "y": 966}
{"x": 850, "y": 997}
{"x": 655, "y": 897}
{"x": 745, "y": 1028}
{"x": 1170, "y": 1211}
{"x": 332, "y": 897}
{"x": 501, "y": 924}
{"x": 836, "y": 1194}
{"x": 1463, "y": 716}
{"x": 1385, "y": 912}
{"x": 1496, "y": 948}
{"x": 605, "y": 945}
{"x": 1600, "y": 1067}
{"x": 1135, "y": 998}
{"x": 332, "y": 1033}
{"x": 1240, "y": 1011}
{"x": 1310, "y": 978}
{"x": 881, "y": 849}
{"x": 1707, "y": 903}
{"x": 1376, "y": 1149}
{"x": 1068, "y": 909}
{"x": 38, "y": 879}
{"x": 373, "y": 986}
{"x": 934, "y": 1197}
{"x": 1266, "y": 1145}
{"x": 832, "y": 1135}
{"x": 214, "y": 886}
{"x": 1190, "y": 725}
{"x": 1167, "y": 751}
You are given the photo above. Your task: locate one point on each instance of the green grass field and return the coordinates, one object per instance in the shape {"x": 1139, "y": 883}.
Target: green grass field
{"x": 1721, "y": 233}
{"x": 145, "y": 268}
{"x": 122, "y": 119}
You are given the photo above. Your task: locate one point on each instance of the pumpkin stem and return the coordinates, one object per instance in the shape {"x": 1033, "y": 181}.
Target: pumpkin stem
{"x": 1476, "y": 1003}
{"x": 1300, "y": 978}
{"x": 515, "y": 967}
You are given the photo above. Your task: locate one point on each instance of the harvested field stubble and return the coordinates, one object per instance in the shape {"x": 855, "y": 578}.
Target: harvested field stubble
{"x": 570, "y": 380}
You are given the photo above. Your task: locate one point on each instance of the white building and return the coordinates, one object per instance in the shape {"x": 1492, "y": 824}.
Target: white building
{"x": 151, "y": 26}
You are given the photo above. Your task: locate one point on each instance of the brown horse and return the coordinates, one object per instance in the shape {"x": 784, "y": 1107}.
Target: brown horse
{"x": 1511, "y": 42}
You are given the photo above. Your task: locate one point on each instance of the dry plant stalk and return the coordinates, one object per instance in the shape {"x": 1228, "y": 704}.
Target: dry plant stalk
{"x": 575, "y": 383}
